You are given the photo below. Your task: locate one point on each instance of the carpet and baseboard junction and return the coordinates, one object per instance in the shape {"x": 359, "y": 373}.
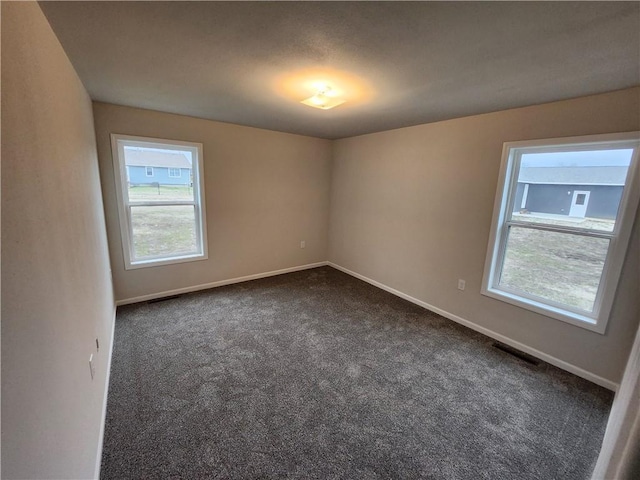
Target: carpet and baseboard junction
{"x": 318, "y": 375}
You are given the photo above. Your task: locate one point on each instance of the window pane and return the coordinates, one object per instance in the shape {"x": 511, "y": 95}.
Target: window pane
{"x": 561, "y": 267}
{"x": 155, "y": 174}
{"x": 579, "y": 189}
{"x": 168, "y": 231}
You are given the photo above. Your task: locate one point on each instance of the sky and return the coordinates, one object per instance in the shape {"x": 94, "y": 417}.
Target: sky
{"x": 594, "y": 158}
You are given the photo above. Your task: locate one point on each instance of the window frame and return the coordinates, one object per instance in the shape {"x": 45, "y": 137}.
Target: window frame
{"x": 118, "y": 142}
{"x": 146, "y": 171}
{"x": 618, "y": 238}
{"x": 179, "y": 175}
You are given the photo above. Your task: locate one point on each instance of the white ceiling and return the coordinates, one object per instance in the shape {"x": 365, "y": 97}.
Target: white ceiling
{"x": 418, "y": 62}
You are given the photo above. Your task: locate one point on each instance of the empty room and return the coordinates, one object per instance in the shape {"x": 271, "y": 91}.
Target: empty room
{"x": 320, "y": 240}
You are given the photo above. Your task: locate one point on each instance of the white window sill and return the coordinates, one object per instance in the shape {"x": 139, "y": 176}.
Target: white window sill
{"x": 158, "y": 262}
{"x": 566, "y": 316}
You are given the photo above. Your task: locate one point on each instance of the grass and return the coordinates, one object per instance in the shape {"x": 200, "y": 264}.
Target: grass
{"x": 555, "y": 266}
{"x": 162, "y": 230}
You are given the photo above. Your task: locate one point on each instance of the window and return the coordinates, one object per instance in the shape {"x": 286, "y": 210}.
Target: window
{"x": 149, "y": 171}
{"x": 561, "y": 225}
{"x": 160, "y": 223}
{"x": 174, "y": 173}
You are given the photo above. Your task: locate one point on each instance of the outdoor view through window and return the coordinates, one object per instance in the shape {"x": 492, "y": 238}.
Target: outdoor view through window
{"x": 160, "y": 230}
{"x": 560, "y": 215}
{"x": 160, "y": 200}
{"x": 578, "y": 190}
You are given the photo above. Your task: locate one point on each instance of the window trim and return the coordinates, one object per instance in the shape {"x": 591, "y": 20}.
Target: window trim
{"x": 179, "y": 175}
{"x": 146, "y": 171}
{"x": 619, "y": 238}
{"x": 124, "y": 205}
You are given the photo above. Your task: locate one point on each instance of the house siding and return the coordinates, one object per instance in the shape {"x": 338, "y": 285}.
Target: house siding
{"x": 556, "y": 199}
{"x": 137, "y": 176}
{"x": 604, "y": 201}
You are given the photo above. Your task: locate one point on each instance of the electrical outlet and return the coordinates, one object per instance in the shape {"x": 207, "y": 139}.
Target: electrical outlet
{"x": 303, "y": 244}
{"x": 92, "y": 367}
{"x": 461, "y": 284}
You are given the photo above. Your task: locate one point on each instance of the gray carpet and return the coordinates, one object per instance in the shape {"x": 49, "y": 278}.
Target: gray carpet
{"x": 317, "y": 375}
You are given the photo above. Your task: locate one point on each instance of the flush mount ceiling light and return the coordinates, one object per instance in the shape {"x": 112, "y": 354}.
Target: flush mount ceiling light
{"x": 328, "y": 88}
{"x": 324, "y": 99}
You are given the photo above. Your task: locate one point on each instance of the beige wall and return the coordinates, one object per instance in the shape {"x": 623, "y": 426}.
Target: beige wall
{"x": 265, "y": 192}
{"x": 411, "y": 208}
{"x": 56, "y": 289}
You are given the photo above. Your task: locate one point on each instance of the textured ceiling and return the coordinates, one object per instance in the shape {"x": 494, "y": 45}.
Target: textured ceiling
{"x": 399, "y": 63}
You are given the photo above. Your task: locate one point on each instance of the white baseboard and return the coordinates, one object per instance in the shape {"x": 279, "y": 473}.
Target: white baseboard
{"x": 580, "y": 372}
{"x": 220, "y": 283}
{"x": 96, "y": 474}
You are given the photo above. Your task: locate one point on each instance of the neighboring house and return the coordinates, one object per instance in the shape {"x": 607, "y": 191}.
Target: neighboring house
{"x": 593, "y": 192}
{"x": 146, "y": 167}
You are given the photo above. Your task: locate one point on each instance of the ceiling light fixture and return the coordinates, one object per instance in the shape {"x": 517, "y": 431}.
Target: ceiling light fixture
{"x": 324, "y": 99}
